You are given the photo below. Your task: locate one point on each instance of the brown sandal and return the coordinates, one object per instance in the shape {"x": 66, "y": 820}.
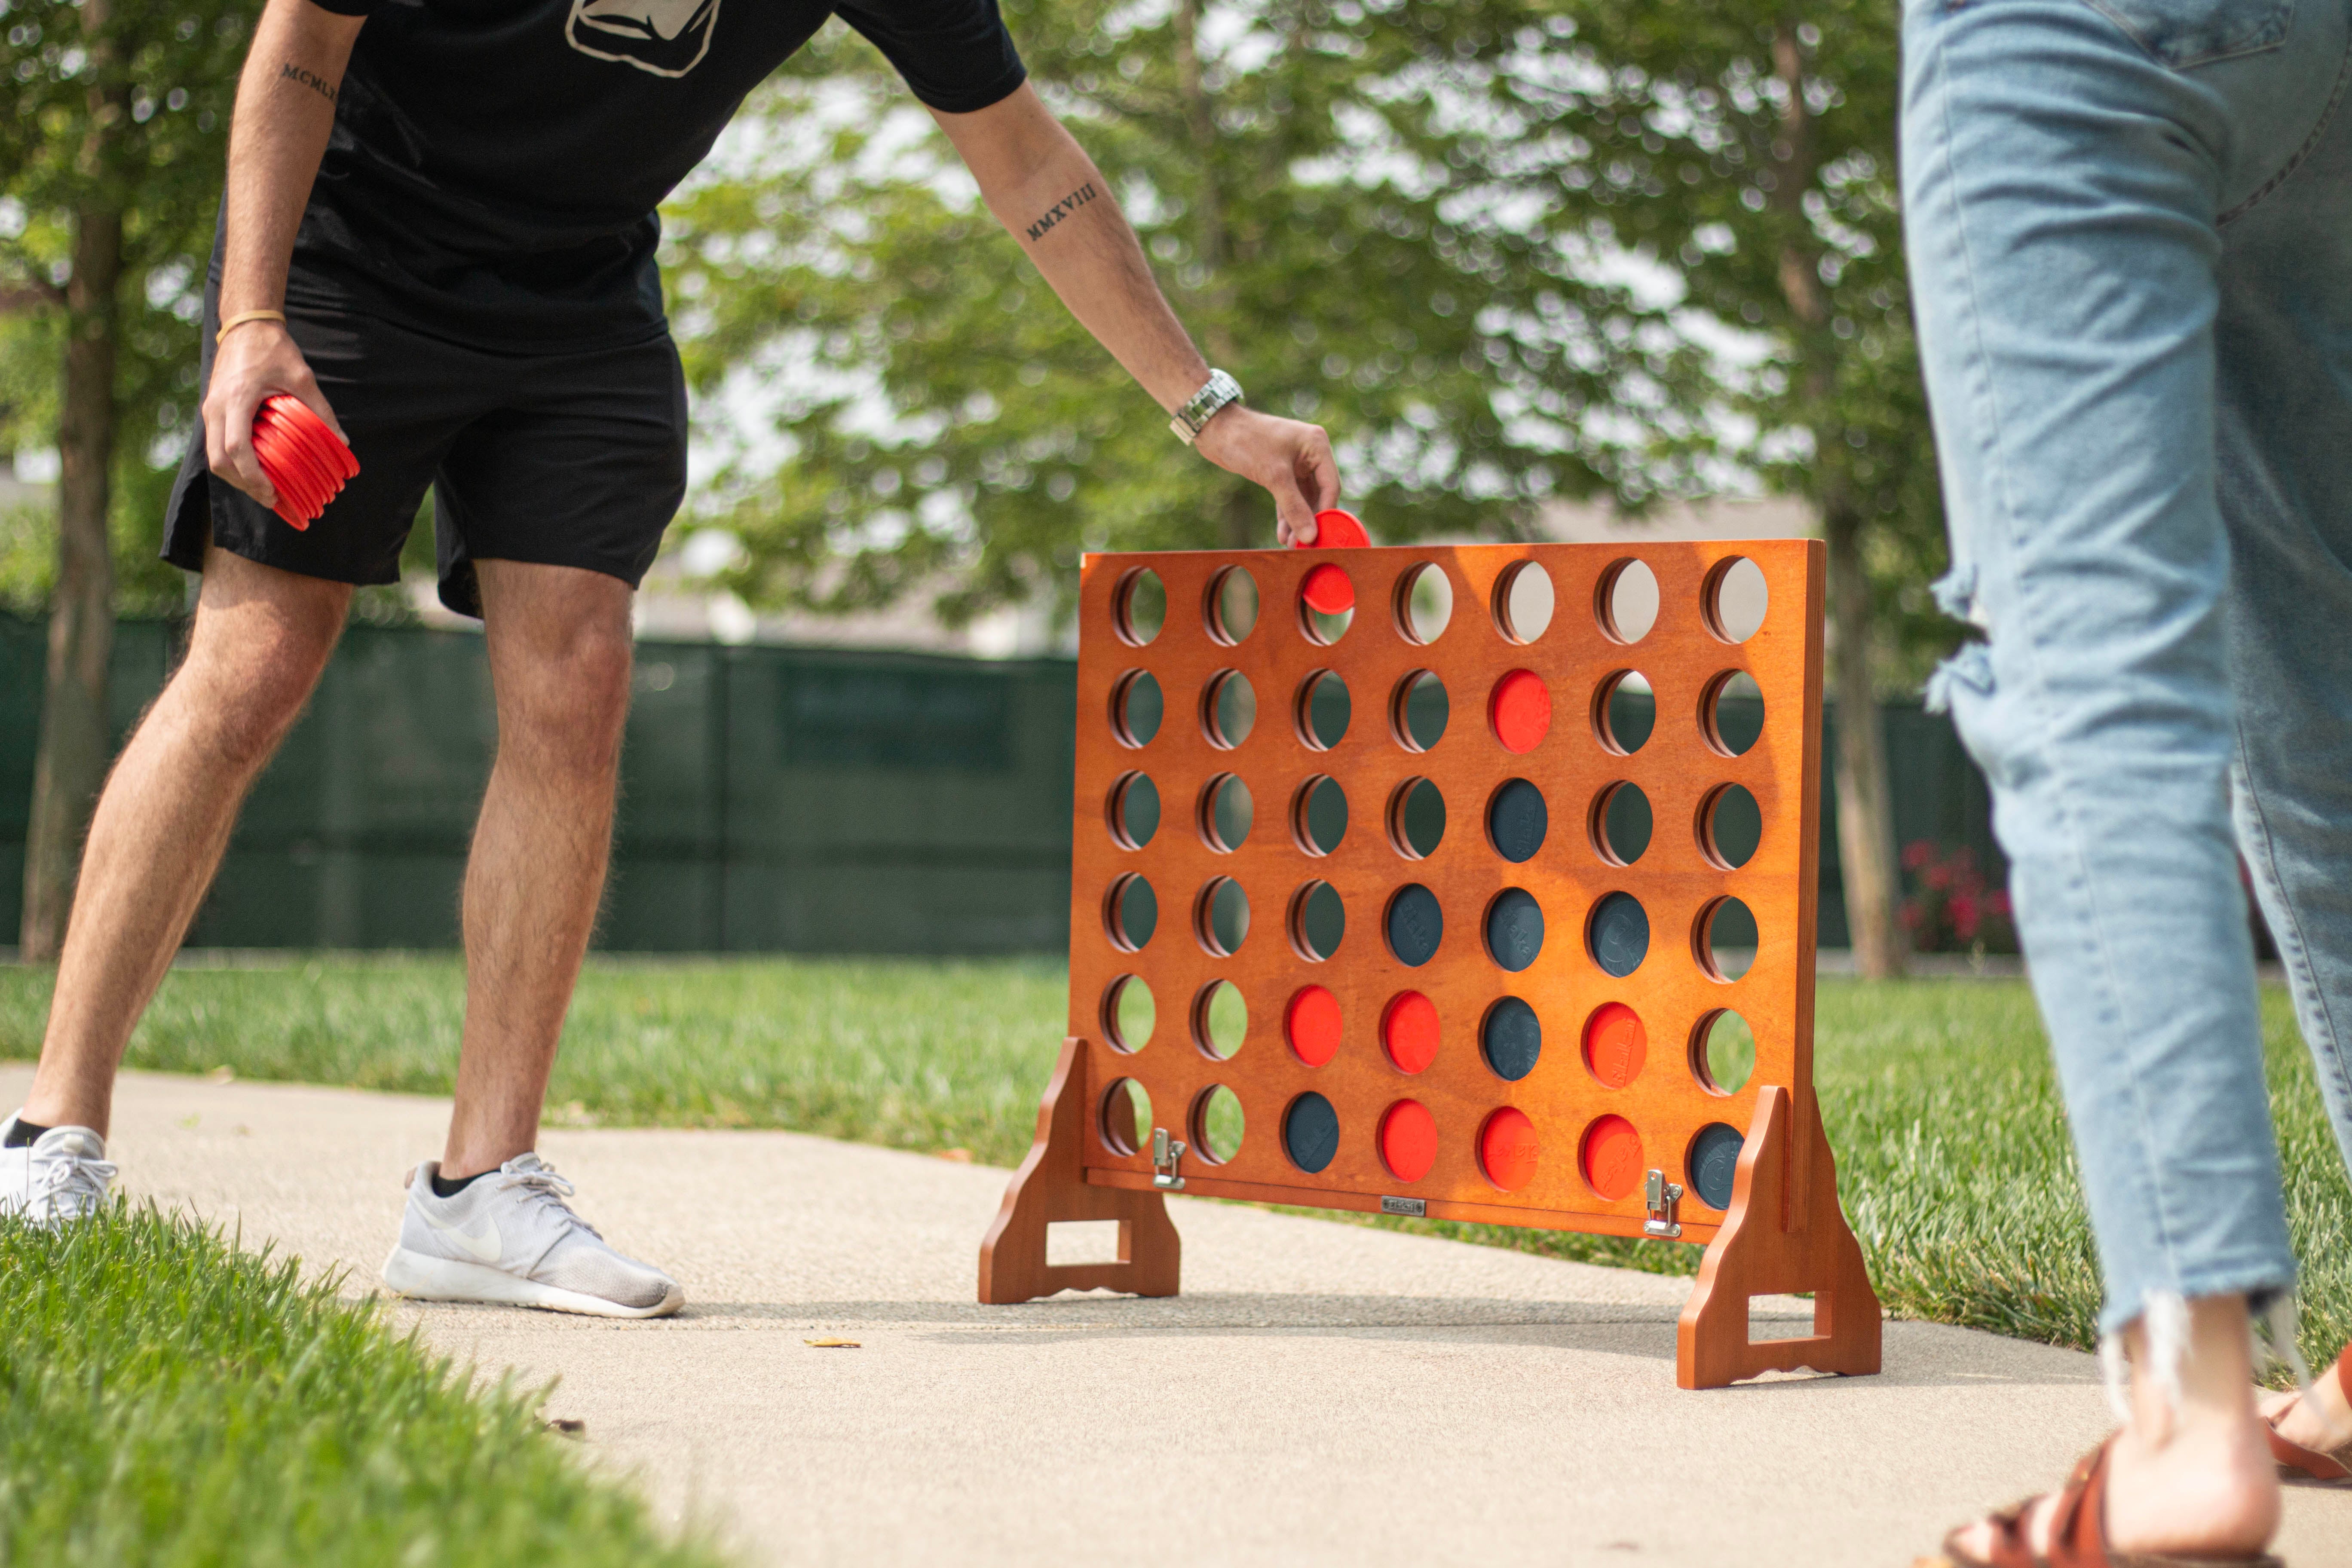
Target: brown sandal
{"x": 2078, "y": 1532}
{"x": 2333, "y": 1465}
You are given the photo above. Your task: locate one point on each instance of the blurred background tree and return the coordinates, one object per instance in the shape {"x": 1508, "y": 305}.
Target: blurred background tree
{"x": 113, "y": 124}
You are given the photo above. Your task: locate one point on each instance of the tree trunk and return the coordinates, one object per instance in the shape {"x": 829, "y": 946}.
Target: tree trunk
{"x": 1865, "y": 804}
{"x": 72, "y": 762}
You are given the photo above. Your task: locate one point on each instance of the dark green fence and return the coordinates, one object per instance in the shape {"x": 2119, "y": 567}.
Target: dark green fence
{"x": 774, "y": 799}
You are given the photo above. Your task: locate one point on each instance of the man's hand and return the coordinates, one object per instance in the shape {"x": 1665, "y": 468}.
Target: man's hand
{"x": 257, "y": 361}
{"x": 1291, "y": 459}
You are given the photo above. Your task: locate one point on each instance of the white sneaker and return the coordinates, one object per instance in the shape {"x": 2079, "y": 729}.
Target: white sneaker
{"x": 60, "y": 1176}
{"x": 510, "y": 1237}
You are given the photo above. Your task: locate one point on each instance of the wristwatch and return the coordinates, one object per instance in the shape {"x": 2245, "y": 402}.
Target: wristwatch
{"x": 1215, "y": 393}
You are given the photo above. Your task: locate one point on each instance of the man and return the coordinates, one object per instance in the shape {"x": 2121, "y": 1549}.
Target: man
{"x": 2130, "y": 229}
{"x": 438, "y": 234}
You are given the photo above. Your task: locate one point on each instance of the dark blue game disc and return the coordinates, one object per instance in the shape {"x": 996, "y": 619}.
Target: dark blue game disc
{"x": 1620, "y": 934}
{"x": 1713, "y": 1162}
{"x": 1512, "y": 1038}
{"x": 1310, "y": 1132}
{"x": 1515, "y": 929}
{"x": 1517, "y": 821}
{"x": 1416, "y": 925}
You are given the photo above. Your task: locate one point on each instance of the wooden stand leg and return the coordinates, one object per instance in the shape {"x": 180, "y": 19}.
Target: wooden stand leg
{"x": 1050, "y": 1186}
{"x": 1764, "y": 1248}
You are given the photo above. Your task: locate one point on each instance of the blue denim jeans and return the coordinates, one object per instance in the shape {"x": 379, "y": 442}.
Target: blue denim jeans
{"x": 2130, "y": 235}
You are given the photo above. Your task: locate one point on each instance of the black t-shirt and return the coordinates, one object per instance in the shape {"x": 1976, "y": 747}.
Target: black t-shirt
{"x": 495, "y": 164}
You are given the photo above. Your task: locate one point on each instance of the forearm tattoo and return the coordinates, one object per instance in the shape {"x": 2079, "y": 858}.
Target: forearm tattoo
{"x": 311, "y": 79}
{"x": 1061, "y": 210}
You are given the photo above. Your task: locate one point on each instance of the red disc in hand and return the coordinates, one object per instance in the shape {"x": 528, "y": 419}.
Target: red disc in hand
{"x": 1337, "y": 529}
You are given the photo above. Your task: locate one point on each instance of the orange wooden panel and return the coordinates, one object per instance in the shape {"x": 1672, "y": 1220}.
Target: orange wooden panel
{"x": 1675, "y": 879}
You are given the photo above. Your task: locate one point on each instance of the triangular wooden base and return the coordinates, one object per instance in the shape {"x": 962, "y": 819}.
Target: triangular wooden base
{"x": 1779, "y": 1234}
{"x": 1052, "y": 1186}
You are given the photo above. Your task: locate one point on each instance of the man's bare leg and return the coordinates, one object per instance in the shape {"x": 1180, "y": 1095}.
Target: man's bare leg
{"x": 560, "y": 660}
{"x": 261, "y": 639}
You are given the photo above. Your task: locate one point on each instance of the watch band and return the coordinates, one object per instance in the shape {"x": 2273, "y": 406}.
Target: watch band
{"x": 1215, "y": 393}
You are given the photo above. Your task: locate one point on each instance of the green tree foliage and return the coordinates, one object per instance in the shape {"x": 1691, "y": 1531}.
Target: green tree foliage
{"x": 1321, "y": 203}
{"x": 165, "y": 109}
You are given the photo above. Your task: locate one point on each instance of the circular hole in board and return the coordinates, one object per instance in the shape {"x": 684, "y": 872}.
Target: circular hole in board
{"x": 1615, "y": 1045}
{"x": 1726, "y": 938}
{"x": 1510, "y": 1037}
{"x": 1220, "y": 1019}
{"x": 1734, "y": 600}
{"x": 1228, "y": 708}
{"x": 1620, "y": 823}
{"x": 1417, "y": 710}
{"x": 1625, "y": 600}
{"x": 1409, "y": 1031}
{"x": 1317, "y": 920}
{"x": 1518, "y": 710}
{"x": 1323, "y": 709}
{"x": 1416, "y": 818}
{"x": 1130, "y": 913}
{"x": 1425, "y": 602}
{"x": 1618, "y": 935}
{"x": 1136, "y": 707}
{"x": 1128, "y": 1013}
{"x": 1126, "y": 1117}
{"x": 1311, "y": 1025}
{"x": 1731, "y": 826}
{"x": 1624, "y": 712}
{"x": 1515, "y": 929}
{"x": 1415, "y": 925}
{"x": 1731, "y": 712}
{"x": 1217, "y": 1124}
{"x": 1318, "y": 814}
{"x": 1133, "y": 810}
{"x": 1712, "y": 1164}
{"x": 1723, "y": 1052}
{"x": 1408, "y": 1140}
{"x": 1609, "y": 1154}
{"x": 1517, "y": 821}
{"x": 1508, "y": 1149}
{"x": 1310, "y": 1133}
{"x": 1327, "y": 604}
{"x": 1139, "y": 607}
{"x": 1226, "y": 812}
{"x": 1231, "y": 611}
{"x": 1523, "y": 602}
{"x": 1221, "y": 917}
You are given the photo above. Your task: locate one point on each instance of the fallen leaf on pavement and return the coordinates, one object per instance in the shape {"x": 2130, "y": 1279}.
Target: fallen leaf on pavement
{"x": 834, "y": 1345}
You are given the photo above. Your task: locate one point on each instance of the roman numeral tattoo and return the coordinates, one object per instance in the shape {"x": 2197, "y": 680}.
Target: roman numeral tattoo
{"x": 292, "y": 72}
{"x": 1061, "y": 210}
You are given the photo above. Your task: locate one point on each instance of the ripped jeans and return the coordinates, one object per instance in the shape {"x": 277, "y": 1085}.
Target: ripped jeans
{"x": 2130, "y": 235}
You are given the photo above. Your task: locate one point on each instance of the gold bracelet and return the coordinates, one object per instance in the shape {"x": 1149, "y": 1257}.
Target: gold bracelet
{"x": 243, "y": 316}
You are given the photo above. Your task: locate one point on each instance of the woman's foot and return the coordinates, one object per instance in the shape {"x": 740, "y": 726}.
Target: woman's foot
{"x": 2319, "y": 1419}
{"x": 2190, "y": 1478}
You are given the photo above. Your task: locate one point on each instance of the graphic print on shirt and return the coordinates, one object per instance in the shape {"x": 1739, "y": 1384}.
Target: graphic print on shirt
{"x": 667, "y": 38}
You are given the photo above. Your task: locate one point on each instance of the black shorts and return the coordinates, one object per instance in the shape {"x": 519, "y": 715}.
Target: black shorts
{"x": 574, "y": 459}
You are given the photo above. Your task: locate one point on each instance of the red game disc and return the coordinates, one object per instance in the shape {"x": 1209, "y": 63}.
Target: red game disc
{"x": 1508, "y": 1149}
{"x": 1615, "y": 1044}
{"x": 1612, "y": 1157}
{"x": 1409, "y": 1031}
{"x": 1408, "y": 1140}
{"x": 1520, "y": 711}
{"x": 1311, "y": 1025}
{"x": 305, "y": 460}
{"x": 1328, "y": 589}
{"x": 1337, "y": 529}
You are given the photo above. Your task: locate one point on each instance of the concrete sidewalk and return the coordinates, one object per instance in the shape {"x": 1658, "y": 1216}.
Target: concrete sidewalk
{"x": 1320, "y": 1393}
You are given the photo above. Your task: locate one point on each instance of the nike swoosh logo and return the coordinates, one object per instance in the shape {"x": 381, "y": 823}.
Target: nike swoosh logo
{"x": 484, "y": 1247}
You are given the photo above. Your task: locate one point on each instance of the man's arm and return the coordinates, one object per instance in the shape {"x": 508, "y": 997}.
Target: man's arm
{"x": 285, "y": 108}
{"x": 1049, "y": 195}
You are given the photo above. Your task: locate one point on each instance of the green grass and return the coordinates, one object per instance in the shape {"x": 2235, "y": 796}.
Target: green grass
{"x": 166, "y": 1398}
{"x": 1954, "y": 1159}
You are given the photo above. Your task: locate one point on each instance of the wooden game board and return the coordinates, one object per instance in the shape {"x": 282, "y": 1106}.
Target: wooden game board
{"x": 1616, "y": 1126}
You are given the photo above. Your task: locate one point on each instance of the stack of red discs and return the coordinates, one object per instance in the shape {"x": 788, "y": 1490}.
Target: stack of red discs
{"x": 307, "y": 462}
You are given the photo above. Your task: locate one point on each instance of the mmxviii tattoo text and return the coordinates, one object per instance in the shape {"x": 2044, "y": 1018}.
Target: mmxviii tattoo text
{"x": 1061, "y": 209}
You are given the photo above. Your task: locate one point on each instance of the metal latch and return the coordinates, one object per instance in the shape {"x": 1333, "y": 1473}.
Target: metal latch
{"x": 1167, "y": 1154}
{"x": 1662, "y": 1195}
